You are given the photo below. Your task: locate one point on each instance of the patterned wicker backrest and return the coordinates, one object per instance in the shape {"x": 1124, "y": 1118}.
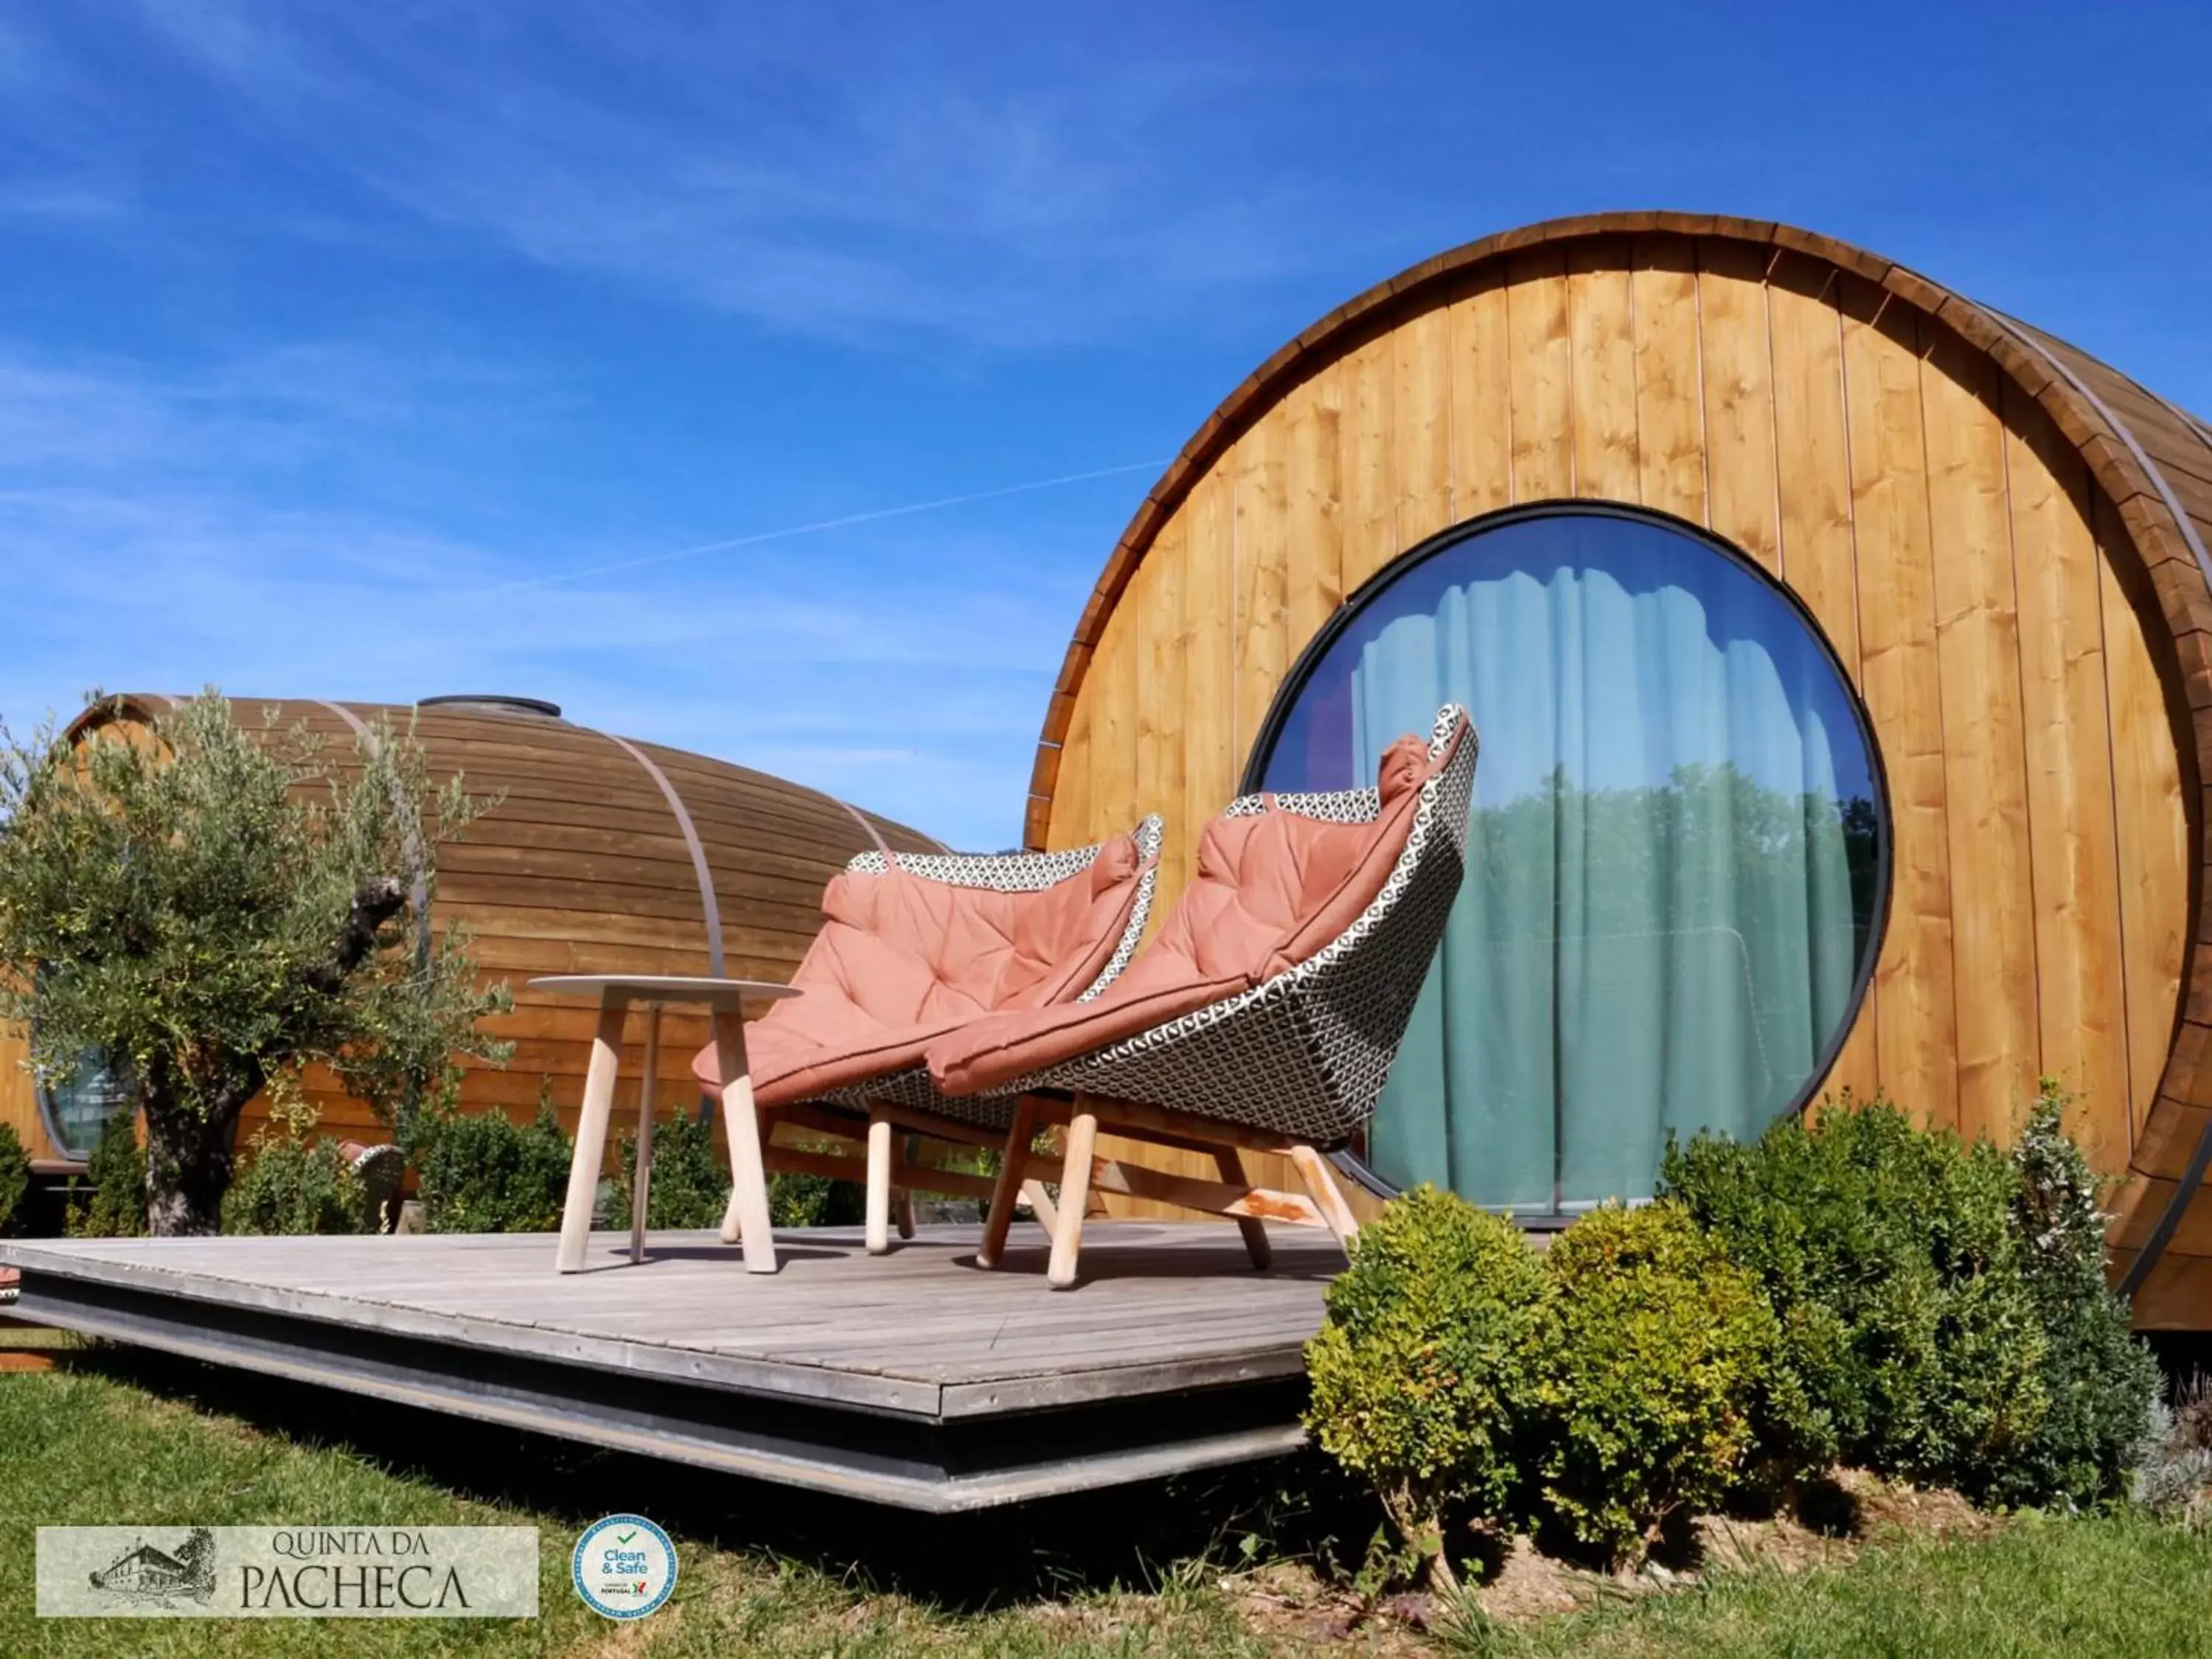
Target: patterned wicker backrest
{"x": 1032, "y": 873}
{"x": 1438, "y": 835}
{"x": 1306, "y": 1053}
{"x": 1360, "y": 989}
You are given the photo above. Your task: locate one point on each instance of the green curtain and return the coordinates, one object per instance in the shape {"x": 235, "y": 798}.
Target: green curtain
{"x": 1656, "y": 931}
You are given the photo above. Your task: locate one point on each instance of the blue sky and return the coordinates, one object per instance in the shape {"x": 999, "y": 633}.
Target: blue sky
{"x": 329, "y": 334}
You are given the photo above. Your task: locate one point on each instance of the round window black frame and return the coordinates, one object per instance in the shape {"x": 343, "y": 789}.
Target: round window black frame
{"x": 1355, "y": 604}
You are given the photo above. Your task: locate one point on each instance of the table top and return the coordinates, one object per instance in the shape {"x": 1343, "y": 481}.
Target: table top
{"x": 695, "y": 988}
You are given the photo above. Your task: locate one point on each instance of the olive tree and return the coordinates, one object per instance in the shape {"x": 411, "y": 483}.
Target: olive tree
{"x": 199, "y": 908}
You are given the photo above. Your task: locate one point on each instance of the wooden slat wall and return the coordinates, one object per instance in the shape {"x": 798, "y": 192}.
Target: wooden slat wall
{"x": 18, "y": 1108}
{"x": 1985, "y": 759}
{"x": 1816, "y": 547}
{"x": 1938, "y": 527}
{"x": 1915, "y": 1007}
{"x": 2080, "y": 979}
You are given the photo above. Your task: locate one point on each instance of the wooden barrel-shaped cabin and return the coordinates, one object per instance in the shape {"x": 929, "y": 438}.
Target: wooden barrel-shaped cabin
{"x": 1841, "y": 650}
{"x": 604, "y": 854}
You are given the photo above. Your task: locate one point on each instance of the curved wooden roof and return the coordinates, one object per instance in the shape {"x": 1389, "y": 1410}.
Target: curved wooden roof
{"x": 2153, "y": 460}
{"x": 604, "y": 854}
{"x": 713, "y": 858}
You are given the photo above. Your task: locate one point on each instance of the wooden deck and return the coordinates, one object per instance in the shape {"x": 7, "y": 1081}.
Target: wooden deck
{"x": 915, "y": 1379}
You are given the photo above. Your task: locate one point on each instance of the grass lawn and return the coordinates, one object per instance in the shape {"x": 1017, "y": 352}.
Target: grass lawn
{"x": 117, "y": 1437}
{"x": 2109, "y": 1588}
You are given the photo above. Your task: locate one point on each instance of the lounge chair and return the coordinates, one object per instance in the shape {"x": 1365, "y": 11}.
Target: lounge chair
{"x": 379, "y": 1170}
{"x": 1263, "y": 1018}
{"x": 914, "y": 945}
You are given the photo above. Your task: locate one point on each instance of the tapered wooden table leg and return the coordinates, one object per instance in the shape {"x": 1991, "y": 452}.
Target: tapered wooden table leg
{"x": 640, "y": 1186}
{"x": 592, "y": 1131}
{"x": 748, "y": 1217}
{"x": 1074, "y": 1195}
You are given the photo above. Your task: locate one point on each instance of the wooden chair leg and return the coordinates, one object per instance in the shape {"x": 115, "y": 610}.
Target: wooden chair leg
{"x": 1074, "y": 1195}
{"x": 1041, "y": 1204}
{"x": 1329, "y": 1198}
{"x": 879, "y": 1186}
{"x": 1255, "y": 1230}
{"x": 902, "y": 1210}
{"x": 1013, "y": 1167}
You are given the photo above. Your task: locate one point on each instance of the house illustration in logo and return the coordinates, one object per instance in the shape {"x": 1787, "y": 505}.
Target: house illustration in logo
{"x": 144, "y": 1573}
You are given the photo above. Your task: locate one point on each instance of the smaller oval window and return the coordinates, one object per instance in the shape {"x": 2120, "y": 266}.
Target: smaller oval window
{"x": 77, "y": 1110}
{"x": 1677, "y": 859}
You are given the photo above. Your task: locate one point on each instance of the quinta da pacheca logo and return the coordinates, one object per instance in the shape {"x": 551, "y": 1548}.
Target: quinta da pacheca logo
{"x": 287, "y": 1572}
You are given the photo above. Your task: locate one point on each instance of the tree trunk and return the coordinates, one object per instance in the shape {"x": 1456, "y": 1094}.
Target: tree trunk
{"x": 188, "y": 1157}
{"x": 1420, "y": 1523}
{"x": 187, "y": 1170}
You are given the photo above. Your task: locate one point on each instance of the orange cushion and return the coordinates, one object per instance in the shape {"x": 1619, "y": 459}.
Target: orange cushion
{"x": 902, "y": 959}
{"x": 1272, "y": 890}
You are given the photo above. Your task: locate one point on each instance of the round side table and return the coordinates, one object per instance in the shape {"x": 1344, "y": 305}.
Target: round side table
{"x": 748, "y": 1221}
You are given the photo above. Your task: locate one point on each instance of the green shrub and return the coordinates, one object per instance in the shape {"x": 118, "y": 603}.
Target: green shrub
{"x": 2172, "y": 1458}
{"x": 690, "y": 1182}
{"x": 113, "y": 1206}
{"x": 1910, "y": 1344}
{"x": 293, "y": 1181}
{"x": 291, "y": 1185}
{"x": 1653, "y": 1350}
{"x": 2101, "y": 1380}
{"x": 14, "y": 1180}
{"x": 482, "y": 1172}
{"x": 1426, "y": 1362}
{"x": 812, "y": 1201}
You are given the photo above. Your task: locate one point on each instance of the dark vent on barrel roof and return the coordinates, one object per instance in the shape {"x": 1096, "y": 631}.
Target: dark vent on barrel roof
{"x": 494, "y": 703}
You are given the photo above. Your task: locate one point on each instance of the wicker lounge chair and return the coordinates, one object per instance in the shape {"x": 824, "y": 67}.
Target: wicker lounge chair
{"x": 1263, "y": 1018}
{"x": 379, "y": 1170}
{"x": 914, "y": 945}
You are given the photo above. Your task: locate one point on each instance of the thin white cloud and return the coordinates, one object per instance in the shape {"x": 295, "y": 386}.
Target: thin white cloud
{"x": 799, "y": 173}
{"x": 150, "y": 538}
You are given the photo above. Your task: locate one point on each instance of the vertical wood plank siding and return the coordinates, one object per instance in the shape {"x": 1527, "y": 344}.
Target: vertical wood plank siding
{"x": 1978, "y": 584}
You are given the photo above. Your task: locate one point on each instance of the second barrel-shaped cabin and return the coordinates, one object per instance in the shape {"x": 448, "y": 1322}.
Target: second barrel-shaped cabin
{"x": 601, "y": 854}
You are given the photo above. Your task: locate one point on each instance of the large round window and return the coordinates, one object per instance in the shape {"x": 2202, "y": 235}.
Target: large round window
{"x": 1676, "y": 863}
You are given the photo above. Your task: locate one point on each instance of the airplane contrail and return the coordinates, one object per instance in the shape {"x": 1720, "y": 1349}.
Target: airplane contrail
{"x": 814, "y": 528}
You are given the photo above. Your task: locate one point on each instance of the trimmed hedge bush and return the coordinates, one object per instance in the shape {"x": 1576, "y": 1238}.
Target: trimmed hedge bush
{"x": 1426, "y": 1361}
{"x": 2101, "y": 1380}
{"x": 482, "y": 1172}
{"x": 14, "y": 1180}
{"x": 691, "y": 1184}
{"x": 1912, "y": 1344}
{"x": 292, "y": 1185}
{"x": 1654, "y": 1344}
{"x": 111, "y": 1202}
{"x": 812, "y": 1201}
